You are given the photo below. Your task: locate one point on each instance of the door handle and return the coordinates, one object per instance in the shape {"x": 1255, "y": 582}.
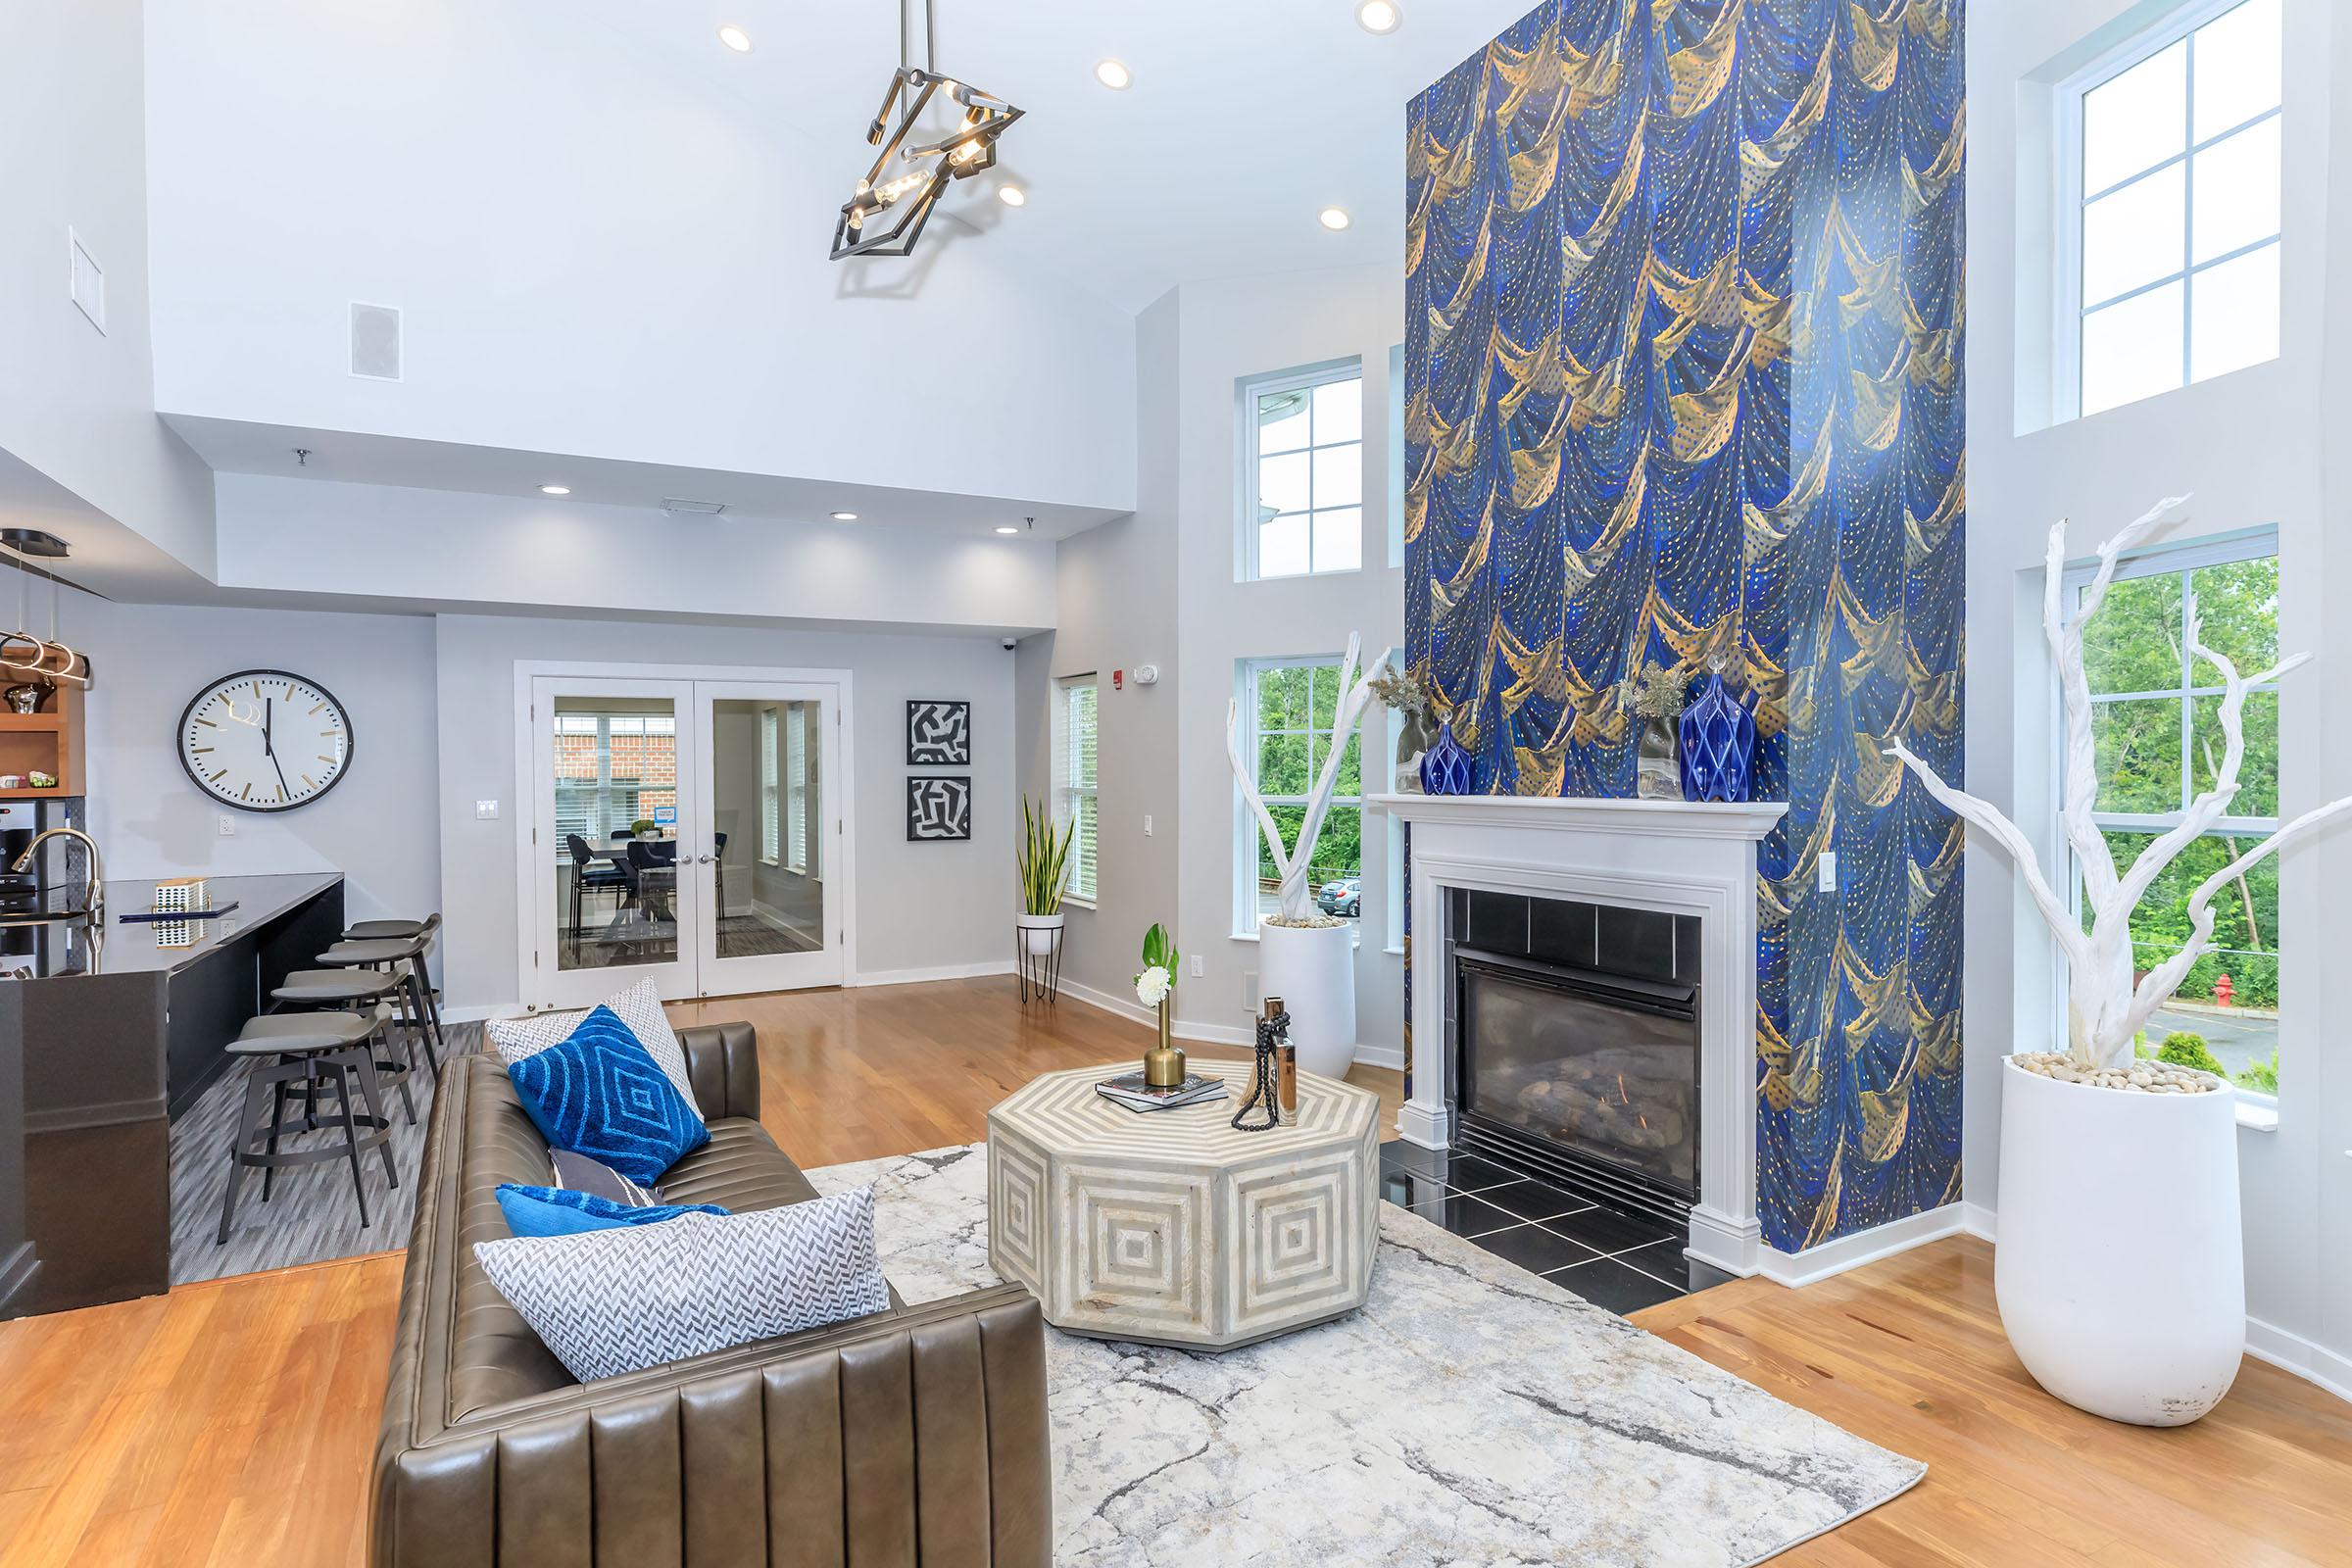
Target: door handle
{"x": 702, "y": 859}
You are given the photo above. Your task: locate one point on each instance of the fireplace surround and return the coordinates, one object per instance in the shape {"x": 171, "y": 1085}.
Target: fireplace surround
{"x": 1694, "y": 864}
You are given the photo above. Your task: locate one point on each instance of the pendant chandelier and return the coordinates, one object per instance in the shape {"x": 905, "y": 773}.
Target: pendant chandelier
{"x": 886, "y": 213}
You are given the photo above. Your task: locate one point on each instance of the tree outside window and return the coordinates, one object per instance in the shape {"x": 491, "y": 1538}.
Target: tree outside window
{"x": 2155, "y": 724}
{"x": 1292, "y": 704}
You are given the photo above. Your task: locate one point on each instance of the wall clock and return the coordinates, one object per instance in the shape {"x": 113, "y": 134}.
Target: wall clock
{"x": 264, "y": 740}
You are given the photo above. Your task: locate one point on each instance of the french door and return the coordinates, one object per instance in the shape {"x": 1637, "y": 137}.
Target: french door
{"x": 691, "y": 831}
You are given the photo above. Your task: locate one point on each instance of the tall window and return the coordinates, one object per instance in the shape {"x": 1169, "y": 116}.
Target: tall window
{"x": 1075, "y": 800}
{"x": 2178, "y": 190}
{"x": 612, "y": 772}
{"x": 1302, "y": 472}
{"x": 770, "y": 811}
{"x": 796, "y": 786}
{"x": 1288, "y": 705}
{"x": 2155, "y": 717}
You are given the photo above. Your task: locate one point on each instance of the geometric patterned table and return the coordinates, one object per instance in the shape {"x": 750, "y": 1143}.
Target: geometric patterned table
{"x": 1171, "y": 1228}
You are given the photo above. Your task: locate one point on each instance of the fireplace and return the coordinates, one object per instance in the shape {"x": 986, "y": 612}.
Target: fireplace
{"x": 1577, "y": 1045}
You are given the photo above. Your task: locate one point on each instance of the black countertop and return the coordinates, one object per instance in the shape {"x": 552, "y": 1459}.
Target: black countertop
{"x": 67, "y": 949}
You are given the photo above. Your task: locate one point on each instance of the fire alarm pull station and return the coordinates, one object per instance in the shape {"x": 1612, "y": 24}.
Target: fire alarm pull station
{"x": 1118, "y": 680}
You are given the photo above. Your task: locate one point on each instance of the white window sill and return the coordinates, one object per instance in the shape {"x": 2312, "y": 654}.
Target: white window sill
{"x": 1394, "y": 952}
{"x": 1356, "y": 941}
{"x": 1070, "y": 902}
{"x": 2256, "y": 1117}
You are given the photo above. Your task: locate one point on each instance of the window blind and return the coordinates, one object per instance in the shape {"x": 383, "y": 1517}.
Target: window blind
{"x": 1075, "y": 799}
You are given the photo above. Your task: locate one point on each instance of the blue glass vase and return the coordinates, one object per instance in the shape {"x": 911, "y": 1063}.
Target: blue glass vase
{"x": 1445, "y": 766}
{"x": 1719, "y": 744}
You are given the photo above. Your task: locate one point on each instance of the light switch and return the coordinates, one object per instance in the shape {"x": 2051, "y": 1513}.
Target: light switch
{"x": 485, "y": 810}
{"x": 228, "y": 826}
{"x": 1147, "y": 825}
{"x": 1829, "y": 871}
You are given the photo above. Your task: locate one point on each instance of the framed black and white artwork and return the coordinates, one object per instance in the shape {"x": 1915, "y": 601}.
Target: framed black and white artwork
{"x": 939, "y": 809}
{"x": 939, "y": 733}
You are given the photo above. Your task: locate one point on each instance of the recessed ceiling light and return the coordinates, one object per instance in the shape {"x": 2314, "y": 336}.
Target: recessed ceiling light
{"x": 735, "y": 38}
{"x": 1013, "y": 196}
{"x": 1333, "y": 218}
{"x": 1113, "y": 75}
{"x": 554, "y": 489}
{"x": 1378, "y": 16}
{"x": 845, "y": 517}
{"x": 1006, "y": 528}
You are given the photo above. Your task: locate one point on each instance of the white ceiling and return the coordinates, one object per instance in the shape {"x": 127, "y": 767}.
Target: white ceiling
{"x": 1244, "y": 119}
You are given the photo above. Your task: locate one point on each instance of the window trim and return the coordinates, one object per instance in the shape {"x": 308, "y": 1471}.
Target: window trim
{"x": 1247, "y": 391}
{"x": 2256, "y": 1110}
{"x": 771, "y": 805}
{"x": 2069, "y": 311}
{"x": 796, "y": 788}
{"x": 1066, "y": 794}
{"x": 1247, "y": 832}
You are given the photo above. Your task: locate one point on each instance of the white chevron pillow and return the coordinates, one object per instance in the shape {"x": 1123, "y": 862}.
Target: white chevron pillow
{"x": 619, "y": 1300}
{"x": 639, "y": 1006}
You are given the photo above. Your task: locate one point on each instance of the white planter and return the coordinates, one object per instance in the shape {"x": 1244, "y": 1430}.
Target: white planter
{"x": 1037, "y": 932}
{"x": 2120, "y": 1270}
{"x": 1313, "y": 969}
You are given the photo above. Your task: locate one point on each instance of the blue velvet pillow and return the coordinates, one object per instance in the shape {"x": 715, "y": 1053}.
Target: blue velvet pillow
{"x": 567, "y": 1211}
{"x": 601, "y": 1094}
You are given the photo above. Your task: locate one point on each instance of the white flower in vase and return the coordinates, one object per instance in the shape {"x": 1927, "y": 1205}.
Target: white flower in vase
{"x": 1152, "y": 986}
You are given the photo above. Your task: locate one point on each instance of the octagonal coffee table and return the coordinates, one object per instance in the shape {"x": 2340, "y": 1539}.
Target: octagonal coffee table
{"x": 1169, "y": 1227}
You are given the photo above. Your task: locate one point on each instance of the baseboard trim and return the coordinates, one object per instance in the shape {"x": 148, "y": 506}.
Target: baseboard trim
{"x": 2307, "y": 1359}
{"x": 944, "y": 971}
{"x": 1830, "y": 1259}
{"x": 483, "y": 1014}
{"x": 1980, "y": 1221}
{"x": 1391, "y": 1057}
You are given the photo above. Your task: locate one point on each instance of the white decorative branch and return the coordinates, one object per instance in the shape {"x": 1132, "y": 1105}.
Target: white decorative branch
{"x": 2105, "y": 1010}
{"x": 1291, "y": 863}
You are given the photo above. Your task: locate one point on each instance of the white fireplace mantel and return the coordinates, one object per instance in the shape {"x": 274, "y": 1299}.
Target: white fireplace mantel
{"x": 1676, "y": 857}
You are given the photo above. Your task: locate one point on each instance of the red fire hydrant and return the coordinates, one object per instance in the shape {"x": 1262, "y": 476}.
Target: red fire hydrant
{"x": 2222, "y": 990}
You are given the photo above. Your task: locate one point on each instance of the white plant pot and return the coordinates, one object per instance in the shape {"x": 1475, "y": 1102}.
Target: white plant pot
{"x": 1037, "y": 932}
{"x": 1313, "y": 969}
{"x": 2120, "y": 1270}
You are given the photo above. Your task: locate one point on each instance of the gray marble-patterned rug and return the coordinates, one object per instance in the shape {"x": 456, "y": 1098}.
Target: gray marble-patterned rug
{"x": 1471, "y": 1413}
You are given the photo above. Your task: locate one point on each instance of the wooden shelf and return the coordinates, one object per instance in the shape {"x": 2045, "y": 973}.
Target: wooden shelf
{"x": 49, "y": 741}
{"x": 33, "y": 721}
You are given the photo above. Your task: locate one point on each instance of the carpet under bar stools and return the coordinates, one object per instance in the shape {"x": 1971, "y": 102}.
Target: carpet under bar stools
{"x": 311, "y": 1049}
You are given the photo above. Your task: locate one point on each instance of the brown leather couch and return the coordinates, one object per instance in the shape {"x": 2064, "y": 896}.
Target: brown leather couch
{"x": 916, "y": 1435}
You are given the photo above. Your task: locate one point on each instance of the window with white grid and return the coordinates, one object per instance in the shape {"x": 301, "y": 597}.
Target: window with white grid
{"x": 1075, "y": 800}
{"x": 1301, "y": 477}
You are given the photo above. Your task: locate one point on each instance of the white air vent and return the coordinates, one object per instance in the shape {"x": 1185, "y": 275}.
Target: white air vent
{"x": 87, "y": 281}
{"x": 693, "y": 509}
{"x": 375, "y": 342}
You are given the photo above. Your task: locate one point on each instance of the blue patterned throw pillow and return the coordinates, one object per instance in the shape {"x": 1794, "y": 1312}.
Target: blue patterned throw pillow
{"x": 601, "y": 1094}
{"x": 567, "y": 1211}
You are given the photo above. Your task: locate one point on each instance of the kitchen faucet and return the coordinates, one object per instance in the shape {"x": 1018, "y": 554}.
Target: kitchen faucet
{"x": 95, "y": 907}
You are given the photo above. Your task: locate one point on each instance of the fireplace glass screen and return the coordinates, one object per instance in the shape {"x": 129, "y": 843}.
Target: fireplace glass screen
{"x": 1607, "y": 1074}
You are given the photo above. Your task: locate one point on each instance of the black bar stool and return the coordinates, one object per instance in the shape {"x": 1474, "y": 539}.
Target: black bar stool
{"x": 309, "y": 1049}
{"x": 372, "y": 994}
{"x": 367, "y": 930}
{"x": 402, "y": 959}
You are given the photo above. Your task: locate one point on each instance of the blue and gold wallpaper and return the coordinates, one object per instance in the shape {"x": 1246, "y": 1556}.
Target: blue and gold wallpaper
{"x": 1686, "y": 297}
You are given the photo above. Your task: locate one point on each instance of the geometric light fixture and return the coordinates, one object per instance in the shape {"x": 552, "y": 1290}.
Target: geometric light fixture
{"x": 886, "y": 213}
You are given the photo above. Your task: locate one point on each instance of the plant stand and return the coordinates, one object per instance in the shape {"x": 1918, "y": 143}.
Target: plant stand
{"x": 1037, "y": 962}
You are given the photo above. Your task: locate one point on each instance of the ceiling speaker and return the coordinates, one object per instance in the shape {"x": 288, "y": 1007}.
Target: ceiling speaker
{"x": 375, "y": 342}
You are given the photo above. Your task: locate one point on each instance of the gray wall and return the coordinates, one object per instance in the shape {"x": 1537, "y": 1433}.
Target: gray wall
{"x": 923, "y": 909}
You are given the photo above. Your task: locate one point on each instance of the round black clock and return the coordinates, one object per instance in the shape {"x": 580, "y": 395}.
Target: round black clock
{"x": 264, "y": 740}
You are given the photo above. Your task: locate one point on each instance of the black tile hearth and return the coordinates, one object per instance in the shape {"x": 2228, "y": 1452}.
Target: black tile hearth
{"x": 1538, "y": 1249}
{"x": 1608, "y": 1281}
{"x": 1533, "y": 1199}
{"x": 1468, "y": 1173}
{"x": 1465, "y": 1216}
{"x": 1661, "y": 1260}
{"x": 1409, "y": 1189}
{"x": 1398, "y": 1155}
{"x": 1605, "y": 1231}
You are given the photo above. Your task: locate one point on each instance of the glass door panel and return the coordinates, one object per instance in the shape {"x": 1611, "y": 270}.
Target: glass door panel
{"x": 767, "y": 868}
{"x": 613, "y": 772}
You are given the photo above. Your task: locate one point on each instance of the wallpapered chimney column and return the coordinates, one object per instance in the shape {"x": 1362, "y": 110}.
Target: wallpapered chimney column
{"x": 1684, "y": 321}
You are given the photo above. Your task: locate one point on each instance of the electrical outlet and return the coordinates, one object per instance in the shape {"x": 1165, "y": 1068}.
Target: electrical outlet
{"x": 1147, "y": 825}
{"x": 1250, "y": 989}
{"x": 228, "y": 826}
{"x": 485, "y": 810}
{"x": 1196, "y": 966}
{"x": 1828, "y": 878}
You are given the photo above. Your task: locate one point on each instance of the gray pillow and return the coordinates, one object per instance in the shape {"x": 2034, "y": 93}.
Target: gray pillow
{"x": 639, "y": 1007}
{"x": 619, "y": 1300}
{"x": 577, "y": 1172}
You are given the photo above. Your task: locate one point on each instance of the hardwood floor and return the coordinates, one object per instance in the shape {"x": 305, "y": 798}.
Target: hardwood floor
{"x": 233, "y": 1422}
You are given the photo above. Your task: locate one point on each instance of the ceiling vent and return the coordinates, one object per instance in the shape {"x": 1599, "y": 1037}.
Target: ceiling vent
{"x": 693, "y": 509}
{"x": 375, "y": 342}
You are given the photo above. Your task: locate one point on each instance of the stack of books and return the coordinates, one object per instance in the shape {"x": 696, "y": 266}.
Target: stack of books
{"x": 1129, "y": 1088}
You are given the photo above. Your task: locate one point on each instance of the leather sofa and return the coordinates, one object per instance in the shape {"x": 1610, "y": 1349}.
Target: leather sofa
{"x": 914, "y": 1435}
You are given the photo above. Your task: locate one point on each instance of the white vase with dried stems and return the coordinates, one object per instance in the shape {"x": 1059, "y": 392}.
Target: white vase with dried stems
{"x": 2120, "y": 1268}
{"x": 1303, "y": 956}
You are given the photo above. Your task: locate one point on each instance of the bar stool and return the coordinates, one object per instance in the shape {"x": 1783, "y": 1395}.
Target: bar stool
{"x": 402, "y": 957}
{"x": 362, "y": 993}
{"x": 367, "y": 930}
{"x": 306, "y": 1049}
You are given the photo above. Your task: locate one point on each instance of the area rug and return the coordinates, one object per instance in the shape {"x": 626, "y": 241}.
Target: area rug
{"x": 1471, "y": 1413}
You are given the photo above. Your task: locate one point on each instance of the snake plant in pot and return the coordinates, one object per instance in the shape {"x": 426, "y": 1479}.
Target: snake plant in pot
{"x": 2120, "y": 1269}
{"x": 1304, "y": 957}
{"x": 1044, "y": 863}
